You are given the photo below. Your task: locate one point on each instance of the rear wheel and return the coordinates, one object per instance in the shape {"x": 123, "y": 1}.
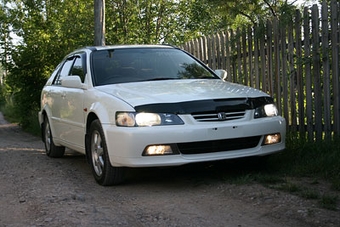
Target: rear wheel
{"x": 104, "y": 173}
{"x": 51, "y": 149}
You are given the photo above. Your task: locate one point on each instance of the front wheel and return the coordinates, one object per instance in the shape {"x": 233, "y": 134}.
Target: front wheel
{"x": 51, "y": 149}
{"x": 104, "y": 173}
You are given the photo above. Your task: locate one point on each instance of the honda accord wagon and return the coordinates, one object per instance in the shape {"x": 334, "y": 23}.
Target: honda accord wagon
{"x": 152, "y": 106}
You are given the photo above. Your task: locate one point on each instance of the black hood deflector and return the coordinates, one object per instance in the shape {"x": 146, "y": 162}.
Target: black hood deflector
{"x": 206, "y": 106}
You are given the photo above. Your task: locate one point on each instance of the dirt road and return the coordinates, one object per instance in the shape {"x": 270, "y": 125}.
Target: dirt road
{"x": 39, "y": 191}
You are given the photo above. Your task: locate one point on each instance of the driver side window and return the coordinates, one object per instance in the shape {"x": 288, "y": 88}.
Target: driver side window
{"x": 78, "y": 69}
{"x": 65, "y": 70}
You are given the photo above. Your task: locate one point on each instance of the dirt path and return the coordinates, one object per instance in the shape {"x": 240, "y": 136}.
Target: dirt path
{"x": 39, "y": 191}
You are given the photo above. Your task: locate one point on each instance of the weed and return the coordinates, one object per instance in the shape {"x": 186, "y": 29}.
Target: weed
{"x": 329, "y": 202}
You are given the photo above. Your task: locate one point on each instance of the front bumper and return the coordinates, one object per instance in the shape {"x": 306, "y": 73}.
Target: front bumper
{"x": 126, "y": 144}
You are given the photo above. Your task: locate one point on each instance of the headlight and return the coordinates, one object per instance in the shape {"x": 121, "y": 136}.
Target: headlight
{"x": 132, "y": 119}
{"x": 268, "y": 110}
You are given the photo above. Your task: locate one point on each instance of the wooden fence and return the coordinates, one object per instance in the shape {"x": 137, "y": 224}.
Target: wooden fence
{"x": 296, "y": 62}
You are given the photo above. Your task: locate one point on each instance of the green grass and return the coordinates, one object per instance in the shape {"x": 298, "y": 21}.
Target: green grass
{"x": 315, "y": 160}
{"x": 31, "y": 118}
{"x": 310, "y": 159}
{"x": 298, "y": 170}
{"x": 329, "y": 202}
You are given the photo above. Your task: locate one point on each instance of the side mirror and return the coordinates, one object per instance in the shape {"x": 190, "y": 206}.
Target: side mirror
{"x": 221, "y": 73}
{"x": 72, "y": 81}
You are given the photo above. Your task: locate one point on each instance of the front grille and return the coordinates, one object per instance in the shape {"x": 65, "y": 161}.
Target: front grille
{"x": 218, "y": 145}
{"x": 218, "y": 116}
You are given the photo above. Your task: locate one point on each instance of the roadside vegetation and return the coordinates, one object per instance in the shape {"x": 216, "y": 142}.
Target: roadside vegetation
{"x": 303, "y": 166}
{"x": 309, "y": 170}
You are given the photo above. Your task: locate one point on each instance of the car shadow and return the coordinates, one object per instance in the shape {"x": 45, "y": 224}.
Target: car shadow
{"x": 198, "y": 173}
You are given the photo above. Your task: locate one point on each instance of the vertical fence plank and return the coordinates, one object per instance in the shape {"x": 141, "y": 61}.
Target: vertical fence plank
{"x": 299, "y": 79}
{"x": 250, "y": 56}
{"x": 256, "y": 59}
{"x": 276, "y": 31}
{"x": 307, "y": 59}
{"x": 212, "y": 56}
{"x": 209, "y": 50}
{"x": 316, "y": 72}
{"x": 292, "y": 80}
{"x": 218, "y": 51}
{"x": 270, "y": 57}
{"x": 335, "y": 34}
{"x": 244, "y": 58}
{"x": 284, "y": 74}
{"x": 199, "y": 48}
{"x": 232, "y": 56}
{"x": 239, "y": 58}
{"x": 326, "y": 71}
{"x": 263, "y": 59}
{"x": 223, "y": 51}
{"x": 227, "y": 40}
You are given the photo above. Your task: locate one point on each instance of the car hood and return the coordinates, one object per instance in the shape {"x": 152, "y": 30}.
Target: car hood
{"x": 174, "y": 91}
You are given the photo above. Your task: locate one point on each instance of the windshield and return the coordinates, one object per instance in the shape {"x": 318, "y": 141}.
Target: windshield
{"x": 145, "y": 64}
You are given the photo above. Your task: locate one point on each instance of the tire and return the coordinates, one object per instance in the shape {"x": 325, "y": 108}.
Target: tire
{"x": 51, "y": 149}
{"x": 104, "y": 173}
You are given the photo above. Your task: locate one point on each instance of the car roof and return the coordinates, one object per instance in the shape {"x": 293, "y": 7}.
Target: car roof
{"x": 93, "y": 48}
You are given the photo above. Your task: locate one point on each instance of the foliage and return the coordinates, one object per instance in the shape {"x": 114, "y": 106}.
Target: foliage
{"x": 48, "y": 30}
{"x": 151, "y": 21}
{"x": 251, "y": 12}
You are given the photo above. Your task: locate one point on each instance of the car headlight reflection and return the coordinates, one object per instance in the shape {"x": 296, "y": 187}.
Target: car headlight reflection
{"x": 133, "y": 119}
{"x": 268, "y": 110}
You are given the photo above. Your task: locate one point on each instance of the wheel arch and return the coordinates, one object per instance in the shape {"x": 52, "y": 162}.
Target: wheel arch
{"x": 43, "y": 116}
{"x": 90, "y": 118}
{"x": 41, "y": 122}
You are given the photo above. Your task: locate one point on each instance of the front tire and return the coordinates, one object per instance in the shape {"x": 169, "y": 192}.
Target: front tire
{"x": 104, "y": 173}
{"x": 51, "y": 149}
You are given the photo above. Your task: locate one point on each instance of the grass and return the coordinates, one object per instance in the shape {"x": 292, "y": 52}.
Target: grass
{"x": 32, "y": 122}
{"x": 315, "y": 160}
{"x": 329, "y": 202}
{"x": 298, "y": 170}
{"x": 310, "y": 159}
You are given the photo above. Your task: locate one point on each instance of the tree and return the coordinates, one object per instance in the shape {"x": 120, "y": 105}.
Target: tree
{"x": 49, "y": 29}
{"x": 240, "y": 13}
{"x": 159, "y": 21}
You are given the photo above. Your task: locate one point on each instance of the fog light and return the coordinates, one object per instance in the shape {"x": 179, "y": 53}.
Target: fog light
{"x": 158, "y": 150}
{"x": 272, "y": 139}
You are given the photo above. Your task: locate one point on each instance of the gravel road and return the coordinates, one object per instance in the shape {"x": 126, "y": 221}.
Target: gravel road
{"x": 36, "y": 190}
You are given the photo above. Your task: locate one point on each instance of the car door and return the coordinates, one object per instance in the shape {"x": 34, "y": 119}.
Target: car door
{"x": 68, "y": 105}
{"x": 72, "y": 114}
{"x": 55, "y": 93}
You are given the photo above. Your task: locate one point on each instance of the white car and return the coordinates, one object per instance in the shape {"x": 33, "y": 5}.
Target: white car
{"x": 151, "y": 106}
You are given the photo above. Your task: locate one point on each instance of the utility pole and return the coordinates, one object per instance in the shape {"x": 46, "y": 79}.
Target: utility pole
{"x": 99, "y": 22}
